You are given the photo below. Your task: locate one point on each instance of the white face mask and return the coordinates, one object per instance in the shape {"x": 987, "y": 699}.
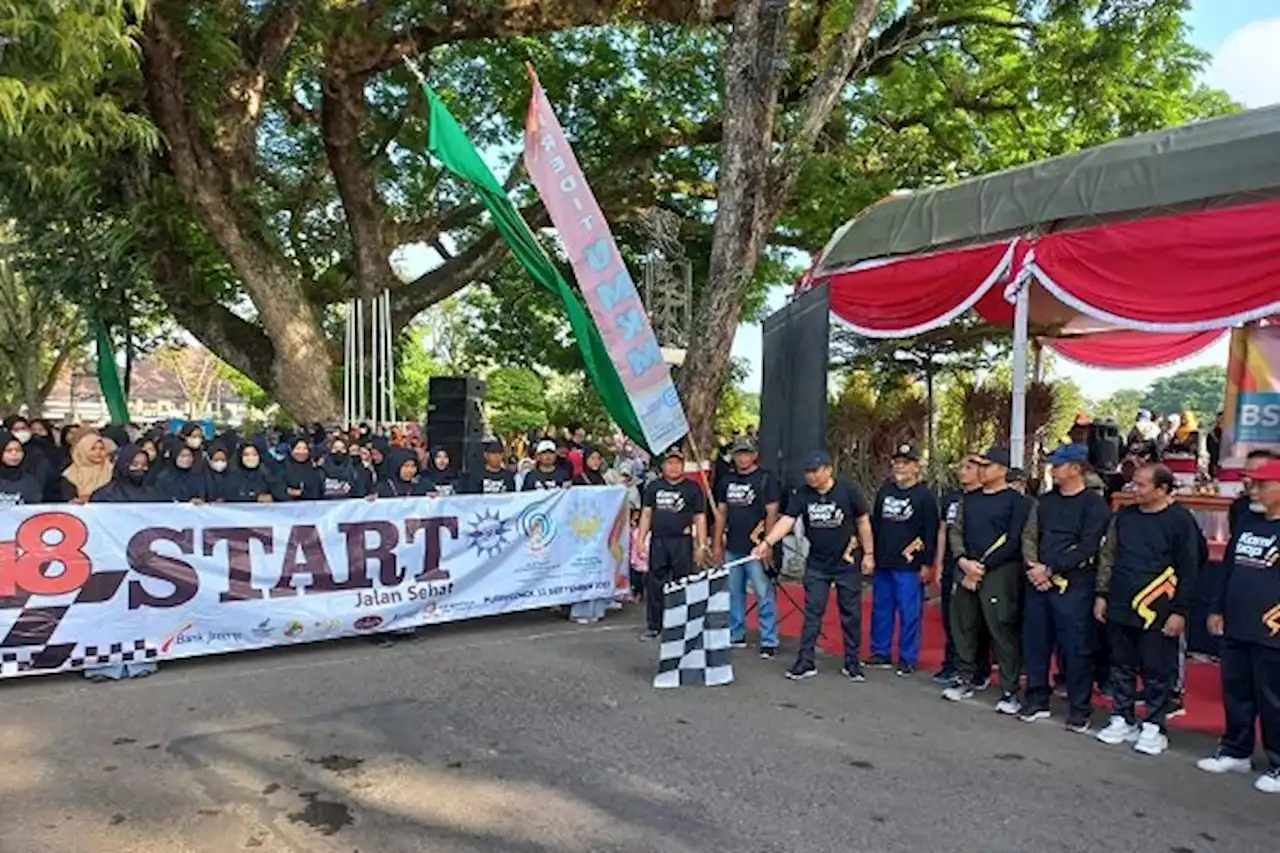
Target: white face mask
{"x": 218, "y": 465}
{"x": 250, "y": 463}
{"x": 22, "y": 435}
{"x": 194, "y": 442}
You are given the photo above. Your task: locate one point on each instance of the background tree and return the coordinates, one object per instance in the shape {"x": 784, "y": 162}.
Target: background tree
{"x": 1201, "y": 390}
{"x": 1120, "y": 406}
{"x": 196, "y": 371}
{"x": 516, "y": 401}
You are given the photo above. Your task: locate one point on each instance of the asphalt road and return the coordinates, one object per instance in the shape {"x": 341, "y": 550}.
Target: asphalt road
{"x": 532, "y": 735}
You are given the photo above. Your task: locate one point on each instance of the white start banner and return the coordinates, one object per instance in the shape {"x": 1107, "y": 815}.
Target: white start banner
{"x": 84, "y": 586}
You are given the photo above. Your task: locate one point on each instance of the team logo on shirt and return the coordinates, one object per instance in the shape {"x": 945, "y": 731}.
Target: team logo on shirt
{"x": 1164, "y": 585}
{"x": 1272, "y": 620}
{"x": 953, "y": 510}
{"x": 825, "y": 515}
{"x": 493, "y": 487}
{"x": 897, "y": 509}
{"x": 10, "y": 499}
{"x": 1256, "y": 552}
{"x": 668, "y": 501}
{"x": 739, "y": 494}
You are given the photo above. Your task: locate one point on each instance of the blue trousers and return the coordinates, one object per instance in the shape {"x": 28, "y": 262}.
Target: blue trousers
{"x": 897, "y": 595}
{"x": 1063, "y": 620}
{"x": 767, "y": 608}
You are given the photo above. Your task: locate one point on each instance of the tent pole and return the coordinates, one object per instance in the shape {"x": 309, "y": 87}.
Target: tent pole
{"x": 1018, "y": 418}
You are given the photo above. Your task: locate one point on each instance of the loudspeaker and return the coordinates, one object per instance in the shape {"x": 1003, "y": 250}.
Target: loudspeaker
{"x": 455, "y": 418}
{"x": 793, "y": 394}
{"x": 1105, "y": 444}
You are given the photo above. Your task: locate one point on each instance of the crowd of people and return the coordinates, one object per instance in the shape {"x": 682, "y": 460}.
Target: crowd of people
{"x": 1031, "y": 584}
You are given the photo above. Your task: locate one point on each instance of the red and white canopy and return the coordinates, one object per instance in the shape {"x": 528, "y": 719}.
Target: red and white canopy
{"x": 1197, "y": 252}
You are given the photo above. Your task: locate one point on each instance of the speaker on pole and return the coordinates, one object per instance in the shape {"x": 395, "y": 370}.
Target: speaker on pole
{"x": 455, "y": 419}
{"x": 793, "y": 394}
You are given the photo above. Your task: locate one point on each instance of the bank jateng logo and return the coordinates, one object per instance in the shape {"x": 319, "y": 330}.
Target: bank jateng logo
{"x": 488, "y": 534}
{"x": 537, "y": 527}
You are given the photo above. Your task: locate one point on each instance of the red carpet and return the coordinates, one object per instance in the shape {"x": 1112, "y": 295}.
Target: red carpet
{"x": 1204, "y": 687}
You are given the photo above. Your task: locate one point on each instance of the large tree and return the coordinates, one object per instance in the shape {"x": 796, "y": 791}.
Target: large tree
{"x": 291, "y": 160}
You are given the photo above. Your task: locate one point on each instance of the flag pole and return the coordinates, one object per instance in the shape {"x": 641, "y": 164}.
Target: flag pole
{"x": 391, "y": 358}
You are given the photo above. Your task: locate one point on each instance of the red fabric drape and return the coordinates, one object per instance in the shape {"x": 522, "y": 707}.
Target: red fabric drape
{"x": 1123, "y": 348}
{"x": 908, "y": 296}
{"x": 1189, "y": 272}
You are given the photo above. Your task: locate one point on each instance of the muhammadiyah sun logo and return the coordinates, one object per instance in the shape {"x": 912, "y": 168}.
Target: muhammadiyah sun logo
{"x": 488, "y": 534}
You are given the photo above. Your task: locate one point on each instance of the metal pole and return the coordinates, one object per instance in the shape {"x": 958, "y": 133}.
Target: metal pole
{"x": 375, "y": 359}
{"x": 360, "y": 410}
{"x": 391, "y": 358}
{"x": 348, "y": 331}
{"x": 1018, "y": 418}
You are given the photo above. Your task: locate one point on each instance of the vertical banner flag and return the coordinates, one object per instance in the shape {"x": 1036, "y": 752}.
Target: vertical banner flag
{"x": 109, "y": 376}
{"x": 448, "y": 144}
{"x": 1251, "y": 416}
{"x": 606, "y": 284}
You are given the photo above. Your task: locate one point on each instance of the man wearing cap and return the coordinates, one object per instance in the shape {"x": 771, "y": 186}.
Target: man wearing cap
{"x": 747, "y": 497}
{"x": 1246, "y": 614}
{"x": 836, "y": 522}
{"x": 1060, "y": 545}
{"x": 1146, "y": 579}
{"x": 548, "y": 472}
{"x": 1247, "y": 503}
{"x": 987, "y": 540}
{"x": 904, "y": 521}
{"x": 494, "y": 478}
{"x": 674, "y": 519}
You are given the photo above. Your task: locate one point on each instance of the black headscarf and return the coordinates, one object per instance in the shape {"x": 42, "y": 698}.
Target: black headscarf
{"x": 395, "y": 486}
{"x": 441, "y": 479}
{"x": 248, "y": 484}
{"x": 589, "y": 477}
{"x": 341, "y": 477}
{"x": 123, "y": 488}
{"x": 220, "y": 486}
{"x": 17, "y": 484}
{"x": 183, "y": 485}
{"x": 301, "y": 476}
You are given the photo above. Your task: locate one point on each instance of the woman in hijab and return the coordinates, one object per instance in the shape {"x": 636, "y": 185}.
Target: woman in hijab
{"x": 403, "y": 479}
{"x": 90, "y": 468}
{"x": 220, "y": 479}
{"x": 342, "y": 479}
{"x": 129, "y": 484}
{"x": 253, "y": 481}
{"x": 300, "y": 479}
{"x": 18, "y": 487}
{"x": 441, "y": 475}
{"x": 592, "y": 468}
{"x": 191, "y": 435}
{"x": 379, "y": 452}
{"x": 184, "y": 480}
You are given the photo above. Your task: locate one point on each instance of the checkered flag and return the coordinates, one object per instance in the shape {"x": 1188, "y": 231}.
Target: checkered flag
{"x": 695, "y": 631}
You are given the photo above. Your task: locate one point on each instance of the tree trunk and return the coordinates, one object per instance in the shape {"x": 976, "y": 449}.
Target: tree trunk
{"x": 750, "y": 102}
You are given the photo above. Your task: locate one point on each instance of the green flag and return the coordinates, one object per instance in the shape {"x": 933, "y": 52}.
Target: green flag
{"x": 447, "y": 142}
{"x": 109, "y": 377}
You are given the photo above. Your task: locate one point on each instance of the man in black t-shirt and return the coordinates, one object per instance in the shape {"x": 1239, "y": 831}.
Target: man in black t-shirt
{"x": 1146, "y": 579}
{"x": 1246, "y": 504}
{"x": 674, "y": 516}
{"x": 494, "y": 478}
{"x": 1245, "y": 613}
{"x": 747, "y": 497}
{"x": 836, "y": 523}
{"x": 548, "y": 473}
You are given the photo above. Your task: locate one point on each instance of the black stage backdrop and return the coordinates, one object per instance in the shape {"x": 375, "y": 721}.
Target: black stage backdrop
{"x": 793, "y": 394}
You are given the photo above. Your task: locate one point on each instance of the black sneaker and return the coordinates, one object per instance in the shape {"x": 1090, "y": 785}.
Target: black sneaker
{"x": 946, "y": 676}
{"x": 737, "y": 644}
{"x": 767, "y": 652}
{"x": 1176, "y": 707}
{"x": 906, "y": 670}
{"x": 800, "y": 671}
{"x": 980, "y": 684}
{"x": 1033, "y": 715}
{"x": 1079, "y": 727}
{"x": 878, "y": 662}
{"x": 854, "y": 675}
{"x": 650, "y": 635}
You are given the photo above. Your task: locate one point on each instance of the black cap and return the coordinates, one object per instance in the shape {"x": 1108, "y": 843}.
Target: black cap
{"x": 907, "y": 451}
{"x": 997, "y": 456}
{"x": 743, "y": 445}
{"x": 493, "y": 445}
{"x": 817, "y": 459}
{"x": 673, "y": 452}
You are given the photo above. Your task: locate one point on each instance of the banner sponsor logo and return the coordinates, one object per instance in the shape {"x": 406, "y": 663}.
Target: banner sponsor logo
{"x": 101, "y": 583}
{"x": 1251, "y": 416}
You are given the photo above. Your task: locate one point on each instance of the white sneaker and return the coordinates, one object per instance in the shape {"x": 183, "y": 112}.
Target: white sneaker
{"x": 1269, "y": 782}
{"x": 1118, "y": 732}
{"x": 1152, "y": 741}
{"x": 958, "y": 693}
{"x": 1009, "y": 704}
{"x": 1219, "y": 763}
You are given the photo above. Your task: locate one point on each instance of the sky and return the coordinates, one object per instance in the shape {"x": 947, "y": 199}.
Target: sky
{"x": 1243, "y": 37}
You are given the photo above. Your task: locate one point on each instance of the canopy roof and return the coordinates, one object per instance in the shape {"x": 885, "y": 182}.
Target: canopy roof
{"x": 1233, "y": 159}
{"x": 1134, "y": 253}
